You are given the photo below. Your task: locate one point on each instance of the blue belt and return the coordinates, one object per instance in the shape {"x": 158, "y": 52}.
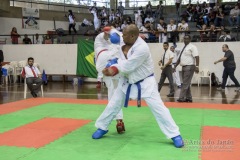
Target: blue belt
{"x": 139, "y": 92}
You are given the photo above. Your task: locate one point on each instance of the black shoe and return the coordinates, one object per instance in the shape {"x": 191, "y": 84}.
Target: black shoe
{"x": 170, "y": 95}
{"x": 181, "y": 100}
{"x": 34, "y": 94}
{"x": 189, "y": 100}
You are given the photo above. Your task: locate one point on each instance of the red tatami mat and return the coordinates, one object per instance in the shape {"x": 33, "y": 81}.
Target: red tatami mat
{"x": 220, "y": 143}
{"x": 24, "y": 104}
{"x": 40, "y": 133}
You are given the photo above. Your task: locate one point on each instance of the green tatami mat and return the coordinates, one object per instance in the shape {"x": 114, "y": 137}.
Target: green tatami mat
{"x": 143, "y": 139}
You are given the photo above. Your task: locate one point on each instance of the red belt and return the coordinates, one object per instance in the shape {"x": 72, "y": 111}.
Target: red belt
{"x": 100, "y": 53}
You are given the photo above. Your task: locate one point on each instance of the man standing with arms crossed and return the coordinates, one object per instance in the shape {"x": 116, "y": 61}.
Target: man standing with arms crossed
{"x": 189, "y": 60}
{"x": 135, "y": 67}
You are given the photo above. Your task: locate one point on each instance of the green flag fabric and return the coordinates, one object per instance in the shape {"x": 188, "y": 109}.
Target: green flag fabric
{"x": 85, "y": 59}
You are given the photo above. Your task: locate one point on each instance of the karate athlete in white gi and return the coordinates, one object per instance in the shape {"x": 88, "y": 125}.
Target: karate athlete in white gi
{"x": 105, "y": 51}
{"x": 135, "y": 67}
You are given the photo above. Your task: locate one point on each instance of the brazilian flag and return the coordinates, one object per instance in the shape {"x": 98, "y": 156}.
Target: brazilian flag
{"x": 85, "y": 59}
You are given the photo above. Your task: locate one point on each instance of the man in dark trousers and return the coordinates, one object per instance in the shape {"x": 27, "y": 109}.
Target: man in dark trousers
{"x": 1, "y": 60}
{"x": 166, "y": 67}
{"x": 189, "y": 60}
{"x": 229, "y": 68}
{"x": 33, "y": 77}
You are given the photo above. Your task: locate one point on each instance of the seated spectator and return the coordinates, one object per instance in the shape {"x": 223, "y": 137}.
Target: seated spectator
{"x": 47, "y": 40}
{"x": 26, "y": 39}
{"x": 206, "y": 11}
{"x": 14, "y": 35}
{"x": 217, "y": 7}
{"x": 234, "y": 16}
{"x": 117, "y": 27}
{"x": 172, "y": 32}
{"x": 194, "y": 14}
{"x": 211, "y": 16}
{"x": 143, "y": 32}
{"x": 198, "y": 7}
{"x": 225, "y": 36}
{"x": 111, "y": 16}
{"x": 129, "y": 20}
{"x": 124, "y": 25}
{"x": 149, "y": 18}
{"x": 33, "y": 77}
{"x": 203, "y": 33}
{"x": 147, "y": 32}
{"x": 213, "y": 31}
{"x": 182, "y": 28}
{"x": 38, "y": 39}
{"x": 162, "y": 29}
{"x": 219, "y": 18}
{"x": 117, "y": 20}
{"x": 187, "y": 15}
{"x": 199, "y": 19}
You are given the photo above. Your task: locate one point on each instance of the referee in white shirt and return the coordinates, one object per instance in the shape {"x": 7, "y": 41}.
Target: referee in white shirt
{"x": 189, "y": 60}
{"x": 166, "y": 67}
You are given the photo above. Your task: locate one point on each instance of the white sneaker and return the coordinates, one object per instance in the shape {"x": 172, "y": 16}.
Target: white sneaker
{"x": 220, "y": 89}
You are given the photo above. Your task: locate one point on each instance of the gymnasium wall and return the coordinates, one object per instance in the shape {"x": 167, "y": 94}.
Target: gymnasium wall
{"x": 62, "y": 58}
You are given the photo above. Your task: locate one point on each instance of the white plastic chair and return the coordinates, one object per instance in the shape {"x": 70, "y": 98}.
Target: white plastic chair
{"x": 19, "y": 68}
{"x": 7, "y": 75}
{"x": 25, "y": 81}
{"x": 25, "y": 89}
{"x": 205, "y": 73}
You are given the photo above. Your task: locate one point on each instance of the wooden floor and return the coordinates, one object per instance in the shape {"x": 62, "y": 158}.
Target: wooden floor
{"x": 203, "y": 94}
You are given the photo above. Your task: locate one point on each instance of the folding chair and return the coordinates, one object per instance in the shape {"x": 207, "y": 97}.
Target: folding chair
{"x": 205, "y": 73}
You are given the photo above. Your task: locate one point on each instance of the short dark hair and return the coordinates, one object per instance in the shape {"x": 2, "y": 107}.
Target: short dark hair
{"x": 166, "y": 43}
{"x": 30, "y": 58}
{"x": 187, "y": 35}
